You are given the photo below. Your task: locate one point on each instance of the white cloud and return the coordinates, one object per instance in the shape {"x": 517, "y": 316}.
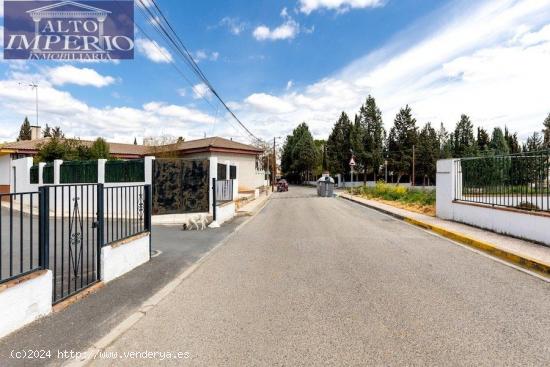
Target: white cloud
{"x": 235, "y": 25}
{"x": 307, "y": 6}
{"x": 153, "y": 51}
{"x": 288, "y": 30}
{"x": 289, "y": 84}
{"x": 201, "y": 55}
{"x": 1, "y": 8}
{"x": 80, "y": 119}
{"x": 68, "y": 74}
{"x": 488, "y": 60}
{"x": 267, "y": 103}
{"x": 182, "y": 92}
{"x": 201, "y": 90}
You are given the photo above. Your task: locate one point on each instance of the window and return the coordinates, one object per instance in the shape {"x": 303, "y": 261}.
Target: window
{"x": 232, "y": 172}
{"x": 222, "y": 171}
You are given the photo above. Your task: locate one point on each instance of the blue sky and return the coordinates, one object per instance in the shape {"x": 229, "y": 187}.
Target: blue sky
{"x": 279, "y": 63}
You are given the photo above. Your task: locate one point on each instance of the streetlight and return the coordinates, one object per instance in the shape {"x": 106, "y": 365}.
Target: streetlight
{"x": 34, "y": 86}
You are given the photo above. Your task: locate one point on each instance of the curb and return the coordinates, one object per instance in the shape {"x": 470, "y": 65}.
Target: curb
{"x": 91, "y": 354}
{"x": 508, "y": 256}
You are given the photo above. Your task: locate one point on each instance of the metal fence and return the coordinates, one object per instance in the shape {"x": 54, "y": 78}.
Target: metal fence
{"x": 126, "y": 211}
{"x": 76, "y": 172}
{"x": 69, "y": 221}
{"x": 34, "y": 175}
{"x": 19, "y": 235}
{"x": 125, "y": 171}
{"x": 224, "y": 191}
{"x": 520, "y": 181}
{"x": 48, "y": 174}
{"x": 64, "y": 227}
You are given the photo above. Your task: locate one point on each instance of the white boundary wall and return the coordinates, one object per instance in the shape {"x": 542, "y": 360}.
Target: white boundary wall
{"x": 509, "y": 222}
{"x": 119, "y": 259}
{"x": 25, "y": 302}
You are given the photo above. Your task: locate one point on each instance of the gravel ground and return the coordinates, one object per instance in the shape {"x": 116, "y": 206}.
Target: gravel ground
{"x": 312, "y": 281}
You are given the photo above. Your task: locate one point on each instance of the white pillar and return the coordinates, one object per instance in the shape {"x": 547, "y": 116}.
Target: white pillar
{"x": 40, "y": 172}
{"x": 148, "y": 167}
{"x": 445, "y": 188}
{"x": 101, "y": 171}
{"x": 213, "y": 174}
{"x": 57, "y": 171}
{"x": 227, "y": 168}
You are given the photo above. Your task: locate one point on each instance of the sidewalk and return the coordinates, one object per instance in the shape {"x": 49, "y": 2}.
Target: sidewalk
{"x": 526, "y": 254}
{"x": 78, "y": 326}
{"x": 252, "y": 207}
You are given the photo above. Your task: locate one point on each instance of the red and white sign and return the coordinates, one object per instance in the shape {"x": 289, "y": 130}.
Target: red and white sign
{"x": 352, "y": 162}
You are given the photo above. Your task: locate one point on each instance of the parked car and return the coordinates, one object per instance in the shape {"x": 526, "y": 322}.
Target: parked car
{"x": 282, "y": 186}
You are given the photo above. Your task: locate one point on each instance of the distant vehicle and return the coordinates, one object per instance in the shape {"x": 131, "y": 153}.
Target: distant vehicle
{"x": 282, "y": 186}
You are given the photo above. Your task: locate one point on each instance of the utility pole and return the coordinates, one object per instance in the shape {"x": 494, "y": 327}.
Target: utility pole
{"x": 274, "y": 171}
{"x": 414, "y": 166}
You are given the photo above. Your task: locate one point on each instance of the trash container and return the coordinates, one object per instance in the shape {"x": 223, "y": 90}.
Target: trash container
{"x": 325, "y": 187}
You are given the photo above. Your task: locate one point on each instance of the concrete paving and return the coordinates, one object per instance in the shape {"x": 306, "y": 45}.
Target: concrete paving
{"x": 75, "y": 328}
{"x": 521, "y": 247}
{"x": 322, "y": 281}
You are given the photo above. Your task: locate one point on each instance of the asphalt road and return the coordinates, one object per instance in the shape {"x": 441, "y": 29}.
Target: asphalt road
{"x": 313, "y": 281}
{"x": 78, "y": 326}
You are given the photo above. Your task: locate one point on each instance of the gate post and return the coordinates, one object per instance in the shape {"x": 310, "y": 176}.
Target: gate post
{"x": 100, "y": 226}
{"x": 43, "y": 227}
{"x": 214, "y": 199}
{"x": 148, "y": 211}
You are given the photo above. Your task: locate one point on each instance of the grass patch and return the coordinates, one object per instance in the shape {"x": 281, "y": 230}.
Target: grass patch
{"x": 416, "y": 199}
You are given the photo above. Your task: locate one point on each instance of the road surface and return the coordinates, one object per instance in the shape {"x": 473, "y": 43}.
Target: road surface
{"x": 313, "y": 281}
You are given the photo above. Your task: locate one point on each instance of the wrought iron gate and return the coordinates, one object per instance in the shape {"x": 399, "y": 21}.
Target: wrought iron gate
{"x": 71, "y": 231}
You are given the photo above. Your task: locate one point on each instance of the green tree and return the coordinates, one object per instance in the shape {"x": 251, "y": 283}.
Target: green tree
{"x": 402, "y": 138}
{"x": 370, "y": 118}
{"x": 464, "y": 144}
{"x": 338, "y": 146}
{"x": 483, "y": 140}
{"x": 428, "y": 154}
{"x": 445, "y": 143}
{"x": 546, "y": 132}
{"x": 299, "y": 154}
{"x": 512, "y": 141}
{"x": 47, "y": 132}
{"x": 534, "y": 142}
{"x": 100, "y": 149}
{"x": 25, "y": 131}
{"x": 498, "y": 144}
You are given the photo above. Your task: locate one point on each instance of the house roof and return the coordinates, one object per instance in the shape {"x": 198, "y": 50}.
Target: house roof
{"x": 117, "y": 149}
{"x": 214, "y": 144}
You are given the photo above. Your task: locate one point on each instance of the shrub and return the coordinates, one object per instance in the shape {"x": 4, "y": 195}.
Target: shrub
{"x": 397, "y": 193}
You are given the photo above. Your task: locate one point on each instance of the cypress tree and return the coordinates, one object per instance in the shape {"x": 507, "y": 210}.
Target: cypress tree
{"x": 402, "y": 138}
{"x": 25, "y": 131}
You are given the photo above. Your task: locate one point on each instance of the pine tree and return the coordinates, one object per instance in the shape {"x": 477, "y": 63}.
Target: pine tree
{"x": 25, "y": 132}
{"x": 483, "y": 140}
{"x": 47, "y": 132}
{"x": 534, "y": 143}
{"x": 338, "y": 146}
{"x": 464, "y": 144}
{"x": 299, "y": 154}
{"x": 135, "y": 141}
{"x": 546, "y": 132}
{"x": 428, "y": 153}
{"x": 498, "y": 143}
{"x": 402, "y": 138}
{"x": 370, "y": 118}
{"x": 445, "y": 143}
{"x": 512, "y": 141}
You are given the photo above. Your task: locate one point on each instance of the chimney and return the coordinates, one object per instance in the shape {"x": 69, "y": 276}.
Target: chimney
{"x": 36, "y": 132}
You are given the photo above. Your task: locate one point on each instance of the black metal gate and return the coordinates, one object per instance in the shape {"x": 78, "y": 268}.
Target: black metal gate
{"x": 71, "y": 230}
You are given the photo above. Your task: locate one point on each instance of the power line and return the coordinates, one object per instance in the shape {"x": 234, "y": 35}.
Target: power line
{"x": 156, "y": 22}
